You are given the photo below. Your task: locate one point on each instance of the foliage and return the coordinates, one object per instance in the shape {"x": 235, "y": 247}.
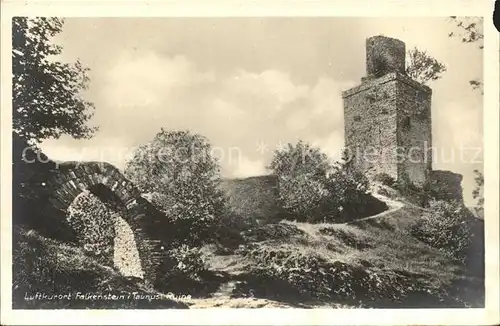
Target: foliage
{"x": 446, "y": 227}
{"x": 300, "y": 159}
{"x": 314, "y": 277}
{"x": 187, "y": 260}
{"x": 350, "y": 178}
{"x": 275, "y": 231}
{"x": 45, "y": 266}
{"x": 177, "y": 169}
{"x": 422, "y": 67}
{"x": 348, "y": 192}
{"x": 302, "y": 195}
{"x": 384, "y": 179}
{"x": 478, "y": 194}
{"x": 312, "y": 188}
{"x": 301, "y": 171}
{"x": 183, "y": 270}
{"x": 469, "y": 30}
{"x": 46, "y": 92}
{"x": 93, "y": 225}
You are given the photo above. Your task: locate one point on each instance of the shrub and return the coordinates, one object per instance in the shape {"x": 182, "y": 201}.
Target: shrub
{"x": 182, "y": 271}
{"x": 348, "y": 193}
{"x": 478, "y": 193}
{"x": 446, "y": 227}
{"x": 177, "y": 169}
{"x": 313, "y": 189}
{"x": 384, "y": 179}
{"x": 303, "y": 197}
{"x": 313, "y": 276}
{"x": 301, "y": 171}
{"x": 187, "y": 261}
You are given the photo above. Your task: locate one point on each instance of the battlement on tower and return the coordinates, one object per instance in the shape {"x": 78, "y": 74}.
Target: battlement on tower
{"x": 368, "y": 83}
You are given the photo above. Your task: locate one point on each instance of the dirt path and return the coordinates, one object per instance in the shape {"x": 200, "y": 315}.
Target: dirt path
{"x": 393, "y": 205}
{"x": 233, "y": 265}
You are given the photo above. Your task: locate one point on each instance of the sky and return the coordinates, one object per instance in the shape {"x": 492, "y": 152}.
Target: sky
{"x": 252, "y": 84}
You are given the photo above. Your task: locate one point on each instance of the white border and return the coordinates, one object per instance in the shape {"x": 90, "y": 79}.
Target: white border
{"x": 219, "y": 316}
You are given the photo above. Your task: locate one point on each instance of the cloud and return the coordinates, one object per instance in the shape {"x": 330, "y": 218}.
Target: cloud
{"x": 239, "y": 90}
{"x": 272, "y": 84}
{"x": 143, "y": 92}
{"x": 146, "y": 78}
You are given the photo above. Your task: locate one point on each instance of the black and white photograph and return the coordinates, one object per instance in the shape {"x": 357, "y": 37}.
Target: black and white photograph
{"x": 247, "y": 162}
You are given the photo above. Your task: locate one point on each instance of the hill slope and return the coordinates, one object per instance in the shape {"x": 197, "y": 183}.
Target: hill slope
{"x": 49, "y": 267}
{"x": 373, "y": 262}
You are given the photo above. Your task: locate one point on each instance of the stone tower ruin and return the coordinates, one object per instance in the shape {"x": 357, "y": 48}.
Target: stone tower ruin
{"x": 388, "y": 116}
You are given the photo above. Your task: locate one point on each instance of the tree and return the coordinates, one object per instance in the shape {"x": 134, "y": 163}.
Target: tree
{"x": 301, "y": 158}
{"x": 422, "y": 67}
{"x": 469, "y": 30}
{"x": 314, "y": 189}
{"x": 179, "y": 173}
{"x": 301, "y": 171}
{"x": 478, "y": 193}
{"x": 46, "y": 93}
{"x": 351, "y": 178}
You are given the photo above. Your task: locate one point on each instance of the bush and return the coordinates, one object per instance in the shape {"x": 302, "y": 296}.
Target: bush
{"x": 348, "y": 194}
{"x": 384, "y": 179}
{"x": 313, "y": 276}
{"x": 446, "y": 226}
{"x": 182, "y": 271}
{"x": 188, "y": 261}
{"x": 313, "y": 189}
{"x": 178, "y": 171}
{"x": 183, "y": 261}
{"x": 301, "y": 171}
{"x": 303, "y": 197}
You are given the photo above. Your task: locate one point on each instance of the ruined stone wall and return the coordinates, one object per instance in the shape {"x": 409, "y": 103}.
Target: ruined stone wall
{"x": 414, "y": 129}
{"x": 448, "y": 185}
{"x": 370, "y": 117}
{"x": 384, "y": 55}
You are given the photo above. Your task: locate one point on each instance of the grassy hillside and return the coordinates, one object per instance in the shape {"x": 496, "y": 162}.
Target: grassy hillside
{"x": 373, "y": 262}
{"x": 51, "y": 267}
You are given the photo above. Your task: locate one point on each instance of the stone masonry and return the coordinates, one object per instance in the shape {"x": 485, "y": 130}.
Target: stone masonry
{"x": 72, "y": 178}
{"x": 388, "y": 117}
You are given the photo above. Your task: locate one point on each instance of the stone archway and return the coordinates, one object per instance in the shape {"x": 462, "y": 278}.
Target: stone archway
{"x": 70, "y": 179}
{"x": 104, "y": 234}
